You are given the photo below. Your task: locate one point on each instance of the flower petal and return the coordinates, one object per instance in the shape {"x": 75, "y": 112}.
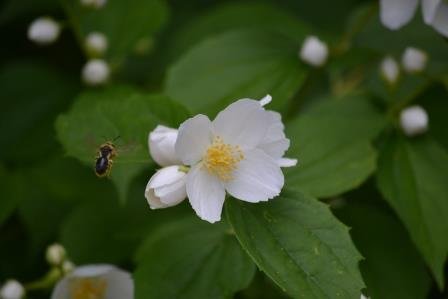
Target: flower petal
{"x": 119, "y": 285}
{"x": 396, "y": 13}
{"x": 429, "y": 9}
{"x": 92, "y": 270}
{"x": 287, "y": 162}
{"x": 194, "y": 137}
{"x": 440, "y": 21}
{"x": 205, "y": 193}
{"x": 258, "y": 177}
{"x": 242, "y": 123}
{"x": 274, "y": 142}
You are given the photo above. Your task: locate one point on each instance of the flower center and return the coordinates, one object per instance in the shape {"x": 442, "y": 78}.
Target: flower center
{"x": 88, "y": 288}
{"x": 221, "y": 159}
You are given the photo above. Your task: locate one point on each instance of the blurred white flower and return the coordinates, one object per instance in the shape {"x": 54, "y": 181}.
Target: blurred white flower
{"x": 166, "y": 188}
{"x": 12, "y": 289}
{"x": 414, "y": 120}
{"x": 96, "y": 43}
{"x": 44, "y": 31}
{"x": 314, "y": 51}
{"x": 397, "y": 13}
{"x": 240, "y": 152}
{"x": 55, "y": 254}
{"x": 95, "y": 281}
{"x": 161, "y": 143}
{"x": 390, "y": 70}
{"x": 363, "y": 297}
{"x": 414, "y": 60}
{"x": 93, "y": 3}
{"x": 95, "y": 72}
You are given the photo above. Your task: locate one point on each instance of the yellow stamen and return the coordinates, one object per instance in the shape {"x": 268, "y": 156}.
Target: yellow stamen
{"x": 221, "y": 159}
{"x": 88, "y": 288}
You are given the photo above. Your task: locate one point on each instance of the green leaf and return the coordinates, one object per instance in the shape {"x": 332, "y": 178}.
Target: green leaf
{"x": 235, "y": 15}
{"x": 234, "y": 65}
{"x": 99, "y": 116}
{"x": 412, "y": 177}
{"x": 332, "y": 143}
{"x": 392, "y": 268}
{"x": 191, "y": 259}
{"x": 123, "y": 22}
{"x": 8, "y": 196}
{"x": 300, "y": 245}
{"x": 33, "y": 96}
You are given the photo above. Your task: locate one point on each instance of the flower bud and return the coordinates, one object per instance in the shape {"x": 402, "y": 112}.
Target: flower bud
{"x": 414, "y": 60}
{"x": 166, "y": 188}
{"x": 12, "y": 289}
{"x": 414, "y": 120}
{"x": 95, "y": 72}
{"x": 93, "y": 3}
{"x": 390, "y": 70}
{"x": 96, "y": 43}
{"x": 67, "y": 266}
{"x": 314, "y": 51}
{"x": 161, "y": 143}
{"x": 44, "y": 31}
{"x": 55, "y": 254}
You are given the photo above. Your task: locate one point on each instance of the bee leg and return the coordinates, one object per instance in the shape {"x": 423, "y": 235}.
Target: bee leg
{"x": 109, "y": 167}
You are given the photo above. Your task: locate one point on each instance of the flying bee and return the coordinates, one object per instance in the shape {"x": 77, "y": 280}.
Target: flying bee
{"x": 104, "y": 159}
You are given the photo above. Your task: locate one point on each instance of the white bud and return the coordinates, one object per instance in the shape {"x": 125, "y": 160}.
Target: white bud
{"x": 44, "y": 31}
{"x": 93, "y": 3}
{"x": 414, "y": 120}
{"x": 96, "y": 43}
{"x": 67, "y": 267}
{"x": 161, "y": 143}
{"x": 55, "y": 254}
{"x": 390, "y": 70}
{"x": 414, "y": 60}
{"x": 166, "y": 188}
{"x": 12, "y": 289}
{"x": 95, "y": 72}
{"x": 314, "y": 51}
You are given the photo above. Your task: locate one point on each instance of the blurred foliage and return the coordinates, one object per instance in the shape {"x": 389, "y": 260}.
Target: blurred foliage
{"x": 362, "y": 190}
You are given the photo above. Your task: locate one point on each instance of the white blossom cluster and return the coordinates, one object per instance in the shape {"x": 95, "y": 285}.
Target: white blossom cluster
{"x": 240, "y": 153}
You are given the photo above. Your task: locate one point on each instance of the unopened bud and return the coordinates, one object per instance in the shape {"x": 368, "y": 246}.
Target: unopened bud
{"x": 55, "y": 254}
{"x": 166, "y": 188}
{"x": 44, "y": 31}
{"x": 314, "y": 51}
{"x": 67, "y": 266}
{"x": 390, "y": 70}
{"x": 96, "y": 43}
{"x": 414, "y": 60}
{"x": 95, "y": 72}
{"x": 12, "y": 289}
{"x": 93, "y": 3}
{"x": 414, "y": 120}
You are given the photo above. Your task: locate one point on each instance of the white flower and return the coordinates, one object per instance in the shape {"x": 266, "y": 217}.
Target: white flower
{"x": 397, "y": 13}
{"x": 55, "y": 254}
{"x": 12, "y": 289}
{"x": 161, "y": 146}
{"x": 240, "y": 152}
{"x": 390, "y": 70}
{"x": 166, "y": 188}
{"x": 363, "y": 297}
{"x": 95, "y": 72}
{"x": 44, "y": 31}
{"x": 314, "y": 51}
{"x": 414, "y": 60}
{"x": 414, "y": 120}
{"x": 93, "y": 3}
{"x": 96, "y": 43}
{"x": 95, "y": 281}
